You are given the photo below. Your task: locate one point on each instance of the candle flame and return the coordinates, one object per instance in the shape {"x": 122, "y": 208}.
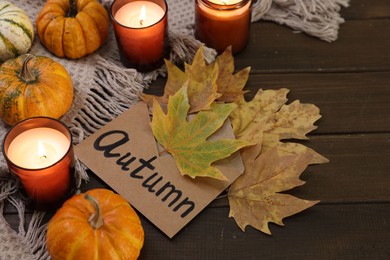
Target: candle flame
{"x": 41, "y": 150}
{"x": 142, "y": 15}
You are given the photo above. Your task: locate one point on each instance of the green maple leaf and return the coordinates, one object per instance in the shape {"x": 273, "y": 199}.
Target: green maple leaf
{"x": 187, "y": 140}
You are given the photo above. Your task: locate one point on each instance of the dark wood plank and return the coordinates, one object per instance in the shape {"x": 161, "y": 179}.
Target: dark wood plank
{"x": 349, "y": 102}
{"x": 322, "y": 232}
{"x": 361, "y": 46}
{"x": 363, "y": 9}
{"x": 357, "y": 231}
{"x": 358, "y": 170}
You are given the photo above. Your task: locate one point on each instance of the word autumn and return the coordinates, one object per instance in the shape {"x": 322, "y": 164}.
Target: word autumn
{"x": 152, "y": 181}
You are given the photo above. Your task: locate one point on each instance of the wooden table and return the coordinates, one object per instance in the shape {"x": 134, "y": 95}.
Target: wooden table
{"x": 349, "y": 80}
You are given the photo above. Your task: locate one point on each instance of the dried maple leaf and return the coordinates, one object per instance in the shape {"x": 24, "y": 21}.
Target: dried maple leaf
{"x": 206, "y": 82}
{"x": 187, "y": 140}
{"x": 255, "y": 197}
{"x": 199, "y": 70}
{"x": 266, "y": 120}
{"x": 271, "y": 141}
{"x": 249, "y": 118}
{"x": 230, "y": 85}
{"x": 201, "y": 80}
{"x": 293, "y": 121}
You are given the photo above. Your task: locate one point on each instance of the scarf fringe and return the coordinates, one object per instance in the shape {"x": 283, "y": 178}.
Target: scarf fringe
{"x": 184, "y": 48}
{"x": 34, "y": 237}
{"x": 318, "y": 18}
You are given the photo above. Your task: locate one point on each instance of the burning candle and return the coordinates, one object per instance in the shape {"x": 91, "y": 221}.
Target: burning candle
{"x": 221, "y": 23}
{"x": 39, "y": 151}
{"x": 141, "y": 32}
{"x": 38, "y": 148}
{"x": 139, "y": 14}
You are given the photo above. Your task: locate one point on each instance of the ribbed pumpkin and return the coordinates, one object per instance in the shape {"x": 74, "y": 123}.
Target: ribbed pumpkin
{"x": 72, "y": 28}
{"x": 98, "y": 224}
{"x": 33, "y": 86}
{"x": 16, "y": 31}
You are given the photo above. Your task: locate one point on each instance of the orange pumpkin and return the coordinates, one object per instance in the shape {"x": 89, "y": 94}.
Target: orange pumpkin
{"x": 98, "y": 224}
{"x": 72, "y": 28}
{"x": 33, "y": 86}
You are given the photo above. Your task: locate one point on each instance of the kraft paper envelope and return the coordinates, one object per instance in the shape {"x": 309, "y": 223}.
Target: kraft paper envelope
{"x": 124, "y": 154}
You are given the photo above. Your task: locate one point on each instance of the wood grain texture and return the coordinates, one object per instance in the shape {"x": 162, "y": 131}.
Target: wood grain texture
{"x": 321, "y": 232}
{"x": 363, "y": 9}
{"x": 276, "y": 49}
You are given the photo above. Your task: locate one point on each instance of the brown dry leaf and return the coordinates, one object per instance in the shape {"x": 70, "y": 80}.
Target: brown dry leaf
{"x": 249, "y": 118}
{"x": 176, "y": 79}
{"x": 255, "y": 197}
{"x": 206, "y": 82}
{"x": 271, "y": 141}
{"x": 266, "y": 119}
{"x": 199, "y": 70}
{"x": 230, "y": 85}
{"x": 202, "y": 94}
{"x": 201, "y": 84}
{"x": 293, "y": 121}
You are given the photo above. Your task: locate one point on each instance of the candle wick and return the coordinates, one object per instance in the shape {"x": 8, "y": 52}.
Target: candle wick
{"x": 141, "y": 22}
{"x": 224, "y": 2}
{"x": 43, "y": 157}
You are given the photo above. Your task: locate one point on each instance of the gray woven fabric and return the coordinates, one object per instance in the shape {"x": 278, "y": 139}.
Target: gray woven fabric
{"x": 11, "y": 246}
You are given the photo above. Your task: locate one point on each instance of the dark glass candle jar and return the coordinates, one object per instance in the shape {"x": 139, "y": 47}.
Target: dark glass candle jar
{"x": 39, "y": 152}
{"x": 141, "y": 32}
{"x": 220, "y": 24}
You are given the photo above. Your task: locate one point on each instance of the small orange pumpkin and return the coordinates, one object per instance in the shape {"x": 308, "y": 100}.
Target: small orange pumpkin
{"x": 33, "y": 86}
{"x": 98, "y": 224}
{"x": 72, "y": 28}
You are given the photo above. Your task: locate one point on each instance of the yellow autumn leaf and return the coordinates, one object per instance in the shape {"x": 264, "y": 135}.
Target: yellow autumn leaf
{"x": 249, "y": 118}
{"x": 293, "y": 121}
{"x": 201, "y": 83}
{"x": 206, "y": 82}
{"x": 255, "y": 197}
{"x": 266, "y": 120}
{"x": 186, "y": 140}
{"x": 271, "y": 141}
{"x": 230, "y": 84}
{"x": 199, "y": 70}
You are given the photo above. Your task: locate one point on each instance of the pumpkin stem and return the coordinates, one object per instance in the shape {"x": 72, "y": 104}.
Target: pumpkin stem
{"x": 72, "y": 8}
{"x": 25, "y": 73}
{"x": 95, "y": 219}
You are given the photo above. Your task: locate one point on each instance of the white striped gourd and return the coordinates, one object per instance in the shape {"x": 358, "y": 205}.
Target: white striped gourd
{"x": 16, "y": 31}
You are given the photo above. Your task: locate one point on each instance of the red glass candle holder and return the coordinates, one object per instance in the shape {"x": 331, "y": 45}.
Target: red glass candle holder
{"x": 47, "y": 178}
{"x": 219, "y": 24}
{"x": 142, "y": 42}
